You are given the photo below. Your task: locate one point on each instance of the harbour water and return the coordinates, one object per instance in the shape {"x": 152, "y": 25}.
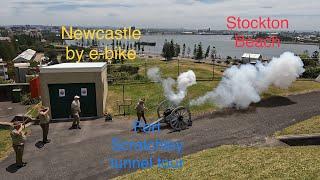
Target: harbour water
{"x": 224, "y": 45}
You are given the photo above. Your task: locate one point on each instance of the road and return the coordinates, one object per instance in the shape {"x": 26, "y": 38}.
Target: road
{"x": 83, "y": 154}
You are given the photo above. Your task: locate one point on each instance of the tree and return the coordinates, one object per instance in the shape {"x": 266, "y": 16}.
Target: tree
{"x": 183, "y": 50}
{"x": 7, "y": 50}
{"x": 112, "y": 44}
{"x": 315, "y": 55}
{"x": 166, "y": 50}
{"x": 135, "y": 46}
{"x": 170, "y": 50}
{"x": 199, "y": 53}
{"x": 195, "y": 51}
{"x": 139, "y": 47}
{"x": 188, "y": 51}
{"x": 176, "y": 50}
{"x": 52, "y": 55}
{"x": 213, "y": 53}
{"x": 207, "y": 52}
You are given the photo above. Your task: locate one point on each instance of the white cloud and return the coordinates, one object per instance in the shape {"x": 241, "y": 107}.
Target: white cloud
{"x": 155, "y": 13}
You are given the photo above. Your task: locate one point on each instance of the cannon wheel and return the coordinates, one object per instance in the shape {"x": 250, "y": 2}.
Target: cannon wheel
{"x": 180, "y": 118}
{"x": 163, "y": 106}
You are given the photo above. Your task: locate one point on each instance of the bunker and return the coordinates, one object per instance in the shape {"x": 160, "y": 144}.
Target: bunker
{"x": 61, "y": 82}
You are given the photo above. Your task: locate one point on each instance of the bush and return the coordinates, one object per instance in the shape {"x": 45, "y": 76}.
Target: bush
{"x": 309, "y": 62}
{"x": 123, "y": 68}
{"x": 139, "y": 77}
{"x": 130, "y": 69}
{"x": 312, "y": 72}
{"x": 27, "y": 100}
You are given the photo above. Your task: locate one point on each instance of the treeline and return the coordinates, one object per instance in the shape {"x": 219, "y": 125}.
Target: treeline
{"x": 171, "y": 49}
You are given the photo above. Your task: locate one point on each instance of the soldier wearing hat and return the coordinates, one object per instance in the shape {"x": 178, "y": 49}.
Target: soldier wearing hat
{"x": 75, "y": 112}
{"x": 140, "y": 108}
{"x": 44, "y": 123}
{"x": 18, "y": 139}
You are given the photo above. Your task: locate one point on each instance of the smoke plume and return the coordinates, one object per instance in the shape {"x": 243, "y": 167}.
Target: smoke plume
{"x": 184, "y": 80}
{"x": 241, "y": 86}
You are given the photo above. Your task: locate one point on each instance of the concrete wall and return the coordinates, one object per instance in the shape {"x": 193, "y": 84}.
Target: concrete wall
{"x": 99, "y": 78}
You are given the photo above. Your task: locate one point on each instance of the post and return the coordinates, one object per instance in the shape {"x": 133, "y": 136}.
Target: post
{"x": 178, "y": 67}
{"x": 145, "y": 68}
{"x": 213, "y": 70}
{"x": 124, "y": 108}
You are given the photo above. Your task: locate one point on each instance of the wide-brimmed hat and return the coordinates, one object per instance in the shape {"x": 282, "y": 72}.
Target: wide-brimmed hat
{"x": 16, "y": 123}
{"x": 76, "y": 97}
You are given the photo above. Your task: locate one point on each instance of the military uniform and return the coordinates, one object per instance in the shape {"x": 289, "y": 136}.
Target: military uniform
{"x": 75, "y": 111}
{"x": 140, "y": 111}
{"x": 44, "y": 123}
{"x": 18, "y": 140}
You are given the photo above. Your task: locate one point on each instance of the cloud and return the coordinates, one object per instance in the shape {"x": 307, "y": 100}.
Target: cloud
{"x": 74, "y": 7}
{"x": 154, "y": 13}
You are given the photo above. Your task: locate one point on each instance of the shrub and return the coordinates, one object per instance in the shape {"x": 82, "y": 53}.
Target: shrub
{"x": 312, "y": 72}
{"x": 309, "y": 62}
{"x": 27, "y": 100}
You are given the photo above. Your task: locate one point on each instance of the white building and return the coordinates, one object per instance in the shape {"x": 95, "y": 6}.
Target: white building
{"x": 21, "y": 70}
{"x": 25, "y": 57}
{"x": 250, "y": 58}
{"x": 3, "y": 70}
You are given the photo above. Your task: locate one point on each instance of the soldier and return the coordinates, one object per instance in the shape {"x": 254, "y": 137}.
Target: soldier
{"x": 140, "y": 108}
{"x": 18, "y": 138}
{"x": 44, "y": 123}
{"x": 75, "y": 111}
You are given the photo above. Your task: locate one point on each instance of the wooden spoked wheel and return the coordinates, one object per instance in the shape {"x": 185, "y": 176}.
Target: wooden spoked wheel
{"x": 180, "y": 118}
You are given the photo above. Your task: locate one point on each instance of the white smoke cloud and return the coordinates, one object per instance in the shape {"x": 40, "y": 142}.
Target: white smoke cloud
{"x": 241, "y": 86}
{"x": 184, "y": 80}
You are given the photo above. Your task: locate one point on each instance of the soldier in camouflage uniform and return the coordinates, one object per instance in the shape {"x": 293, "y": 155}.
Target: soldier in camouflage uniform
{"x": 18, "y": 139}
{"x": 140, "y": 108}
{"x": 44, "y": 123}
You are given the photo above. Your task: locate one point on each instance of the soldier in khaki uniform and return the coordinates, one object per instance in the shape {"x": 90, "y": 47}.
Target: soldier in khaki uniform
{"x": 18, "y": 138}
{"x": 140, "y": 108}
{"x": 75, "y": 112}
{"x": 44, "y": 123}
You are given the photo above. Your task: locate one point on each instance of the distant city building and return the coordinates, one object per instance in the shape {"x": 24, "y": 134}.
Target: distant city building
{"x": 251, "y": 58}
{"x": 3, "y": 70}
{"x": 25, "y": 56}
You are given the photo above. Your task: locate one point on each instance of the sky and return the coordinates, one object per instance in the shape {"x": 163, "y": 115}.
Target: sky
{"x": 190, "y": 14}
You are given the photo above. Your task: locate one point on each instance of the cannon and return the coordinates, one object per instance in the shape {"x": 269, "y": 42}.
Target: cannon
{"x": 177, "y": 117}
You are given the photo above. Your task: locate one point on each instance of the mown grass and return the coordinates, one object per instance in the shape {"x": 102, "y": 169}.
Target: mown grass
{"x": 309, "y": 126}
{"x": 153, "y": 92}
{"x": 300, "y": 86}
{"x": 235, "y": 162}
{"x": 5, "y": 141}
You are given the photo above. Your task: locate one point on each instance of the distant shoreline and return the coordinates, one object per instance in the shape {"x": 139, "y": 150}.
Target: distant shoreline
{"x": 303, "y": 43}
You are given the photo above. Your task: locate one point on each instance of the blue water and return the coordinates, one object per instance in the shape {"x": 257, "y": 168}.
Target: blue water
{"x": 223, "y": 43}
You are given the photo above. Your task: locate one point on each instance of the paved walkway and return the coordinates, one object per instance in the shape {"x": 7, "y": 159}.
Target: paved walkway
{"x": 83, "y": 154}
{"x": 8, "y": 110}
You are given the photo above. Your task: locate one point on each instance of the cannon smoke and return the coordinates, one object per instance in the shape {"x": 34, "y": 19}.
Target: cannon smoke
{"x": 184, "y": 80}
{"x": 241, "y": 86}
